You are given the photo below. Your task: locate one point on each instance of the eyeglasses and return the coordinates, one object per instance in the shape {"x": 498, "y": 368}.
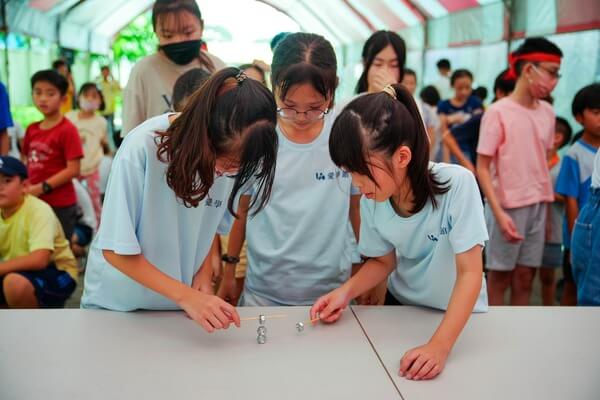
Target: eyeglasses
{"x": 314, "y": 114}
{"x": 552, "y": 73}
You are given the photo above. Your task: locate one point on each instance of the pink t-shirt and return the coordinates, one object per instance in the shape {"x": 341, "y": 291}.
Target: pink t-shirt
{"x": 518, "y": 139}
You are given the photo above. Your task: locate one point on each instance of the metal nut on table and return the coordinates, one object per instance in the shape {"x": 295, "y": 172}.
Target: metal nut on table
{"x": 300, "y": 326}
{"x": 261, "y": 339}
{"x": 261, "y": 330}
{"x": 261, "y": 319}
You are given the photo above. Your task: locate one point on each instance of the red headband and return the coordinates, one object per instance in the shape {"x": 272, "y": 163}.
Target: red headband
{"x": 535, "y": 57}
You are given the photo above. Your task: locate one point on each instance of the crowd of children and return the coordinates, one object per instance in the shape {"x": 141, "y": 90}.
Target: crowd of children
{"x": 337, "y": 202}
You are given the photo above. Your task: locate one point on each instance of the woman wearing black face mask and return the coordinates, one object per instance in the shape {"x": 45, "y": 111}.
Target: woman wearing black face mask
{"x": 178, "y": 25}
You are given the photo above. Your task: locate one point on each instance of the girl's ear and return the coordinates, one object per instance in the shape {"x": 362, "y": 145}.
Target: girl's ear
{"x": 401, "y": 157}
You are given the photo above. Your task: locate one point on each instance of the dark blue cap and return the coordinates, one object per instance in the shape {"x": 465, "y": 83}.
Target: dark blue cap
{"x": 10, "y": 166}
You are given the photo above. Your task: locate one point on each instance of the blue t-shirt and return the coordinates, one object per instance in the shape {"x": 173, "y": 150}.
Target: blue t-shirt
{"x": 5, "y": 117}
{"x": 575, "y": 177}
{"x": 472, "y": 106}
{"x": 426, "y": 243}
{"x": 142, "y": 215}
{"x": 300, "y": 244}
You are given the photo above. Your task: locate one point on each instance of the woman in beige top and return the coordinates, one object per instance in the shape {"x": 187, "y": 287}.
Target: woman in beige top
{"x": 179, "y": 26}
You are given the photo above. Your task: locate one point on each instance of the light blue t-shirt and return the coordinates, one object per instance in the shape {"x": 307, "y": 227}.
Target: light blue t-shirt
{"x": 299, "y": 245}
{"x": 426, "y": 243}
{"x": 142, "y": 215}
{"x": 575, "y": 178}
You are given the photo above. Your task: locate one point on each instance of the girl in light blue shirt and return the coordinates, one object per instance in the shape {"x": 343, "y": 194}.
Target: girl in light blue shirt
{"x": 422, "y": 224}
{"x": 171, "y": 182}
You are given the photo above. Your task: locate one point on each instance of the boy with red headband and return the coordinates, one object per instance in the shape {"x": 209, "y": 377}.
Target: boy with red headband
{"x": 516, "y": 135}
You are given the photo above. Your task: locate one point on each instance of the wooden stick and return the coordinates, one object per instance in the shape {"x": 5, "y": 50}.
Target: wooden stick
{"x": 266, "y": 317}
{"x": 311, "y": 320}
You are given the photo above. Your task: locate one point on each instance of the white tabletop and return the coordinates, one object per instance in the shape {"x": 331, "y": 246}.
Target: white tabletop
{"x": 507, "y": 353}
{"x": 85, "y": 354}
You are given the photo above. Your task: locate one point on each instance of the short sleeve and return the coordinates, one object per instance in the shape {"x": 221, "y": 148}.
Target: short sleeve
{"x": 5, "y": 117}
{"x": 567, "y": 183}
{"x": 466, "y": 217}
{"x": 42, "y": 229}
{"x": 26, "y": 139}
{"x": 371, "y": 243}
{"x": 72, "y": 143}
{"x": 491, "y": 133}
{"x": 443, "y": 107}
{"x": 122, "y": 209}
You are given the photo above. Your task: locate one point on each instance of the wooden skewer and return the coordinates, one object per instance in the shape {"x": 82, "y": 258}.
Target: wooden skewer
{"x": 311, "y": 320}
{"x": 266, "y": 317}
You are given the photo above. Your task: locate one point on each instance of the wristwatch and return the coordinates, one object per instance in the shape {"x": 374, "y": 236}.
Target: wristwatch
{"x": 230, "y": 259}
{"x": 46, "y": 188}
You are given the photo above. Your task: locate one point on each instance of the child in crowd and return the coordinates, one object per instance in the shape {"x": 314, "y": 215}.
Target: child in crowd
{"x": 422, "y": 224}
{"x": 576, "y": 174}
{"x": 517, "y": 132}
{"x": 53, "y": 150}
{"x": 94, "y": 138}
{"x": 37, "y": 268}
{"x": 553, "y": 252}
{"x": 457, "y": 111}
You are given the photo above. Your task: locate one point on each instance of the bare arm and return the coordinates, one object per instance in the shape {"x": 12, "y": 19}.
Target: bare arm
{"x": 34, "y": 261}
{"x": 60, "y": 178}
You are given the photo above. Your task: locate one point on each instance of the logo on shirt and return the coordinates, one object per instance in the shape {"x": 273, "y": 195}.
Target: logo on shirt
{"x": 443, "y": 231}
{"x": 210, "y": 202}
{"x": 331, "y": 175}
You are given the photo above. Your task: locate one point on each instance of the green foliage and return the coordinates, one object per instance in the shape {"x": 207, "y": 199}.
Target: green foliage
{"x": 25, "y": 115}
{"x": 136, "y": 40}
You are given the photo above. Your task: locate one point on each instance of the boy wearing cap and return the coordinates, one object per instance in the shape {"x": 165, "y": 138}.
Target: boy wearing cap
{"x": 37, "y": 267}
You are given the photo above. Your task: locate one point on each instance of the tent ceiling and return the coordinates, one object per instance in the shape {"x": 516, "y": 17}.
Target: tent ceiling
{"x": 90, "y": 25}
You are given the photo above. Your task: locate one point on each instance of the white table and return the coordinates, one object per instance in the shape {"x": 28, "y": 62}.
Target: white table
{"x": 84, "y": 354}
{"x": 507, "y": 353}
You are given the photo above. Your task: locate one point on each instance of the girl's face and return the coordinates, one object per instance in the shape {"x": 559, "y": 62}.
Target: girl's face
{"x": 559, "y": 138}
{"x": 388, "y": 178}
{"x": 90, "y": 100}
{"x": 178, "y": 27}
{"x": 384, "y": 70}
{"x": 462, "y": 88}
{"x": 304, "y": 107}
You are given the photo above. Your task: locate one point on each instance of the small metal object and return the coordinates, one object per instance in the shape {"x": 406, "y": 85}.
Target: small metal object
{"x": 262, "y": 330}
{"x": 261, "y": 339}
{"x": 261, "y": 319}
{"x": 300, "y": 327}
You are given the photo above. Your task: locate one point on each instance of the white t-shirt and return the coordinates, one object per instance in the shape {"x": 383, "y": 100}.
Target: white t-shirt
{"x": 91, "y": 131}
{"x": 300, "y": 245}
{"x": 426, "y": 243}
{"x": 142, "y": 215}
{"x": 596, "y": 173}
{"x": 444, "y": 88}
{"x": 84, "y": 202}
{"x": 15, "y": 133}
{"x": 149, "y": 90}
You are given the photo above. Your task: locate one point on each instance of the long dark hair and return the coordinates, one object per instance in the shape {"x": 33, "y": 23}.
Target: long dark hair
{"x": 225, "y": 113}
{"x": 304, "y": 58}
{"x": 163, "y": 8}
{"x": 373, "y": 46}
{"x": 379, "y": 123}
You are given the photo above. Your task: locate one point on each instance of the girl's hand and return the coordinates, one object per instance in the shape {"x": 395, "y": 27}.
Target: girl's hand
{"x": 330, "y": 306}
{"x": 228, "y": 291}
{"x": 210, "y": 312}
{"x": 381, "y": 79}
{"x": 508, "y": 228}
{"x": 424, "y": 362}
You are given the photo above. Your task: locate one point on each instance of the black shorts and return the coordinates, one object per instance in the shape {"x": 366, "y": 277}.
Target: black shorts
{"x": 390, "y": 300}
{"x": 52, "y": 286}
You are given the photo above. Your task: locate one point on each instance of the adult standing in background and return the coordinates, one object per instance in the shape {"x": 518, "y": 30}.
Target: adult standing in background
{"x": 179, "y": 26}
{"x": 63, "y": 68}
{"x": 110, "y": 90}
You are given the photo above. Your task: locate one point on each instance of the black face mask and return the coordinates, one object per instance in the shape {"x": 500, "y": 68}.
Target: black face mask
{"x": 182, "y": 53}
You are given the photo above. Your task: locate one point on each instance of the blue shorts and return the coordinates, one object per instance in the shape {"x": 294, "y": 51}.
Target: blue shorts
{"x": 585, "y": 251}
{"x": 52, "y": 286}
